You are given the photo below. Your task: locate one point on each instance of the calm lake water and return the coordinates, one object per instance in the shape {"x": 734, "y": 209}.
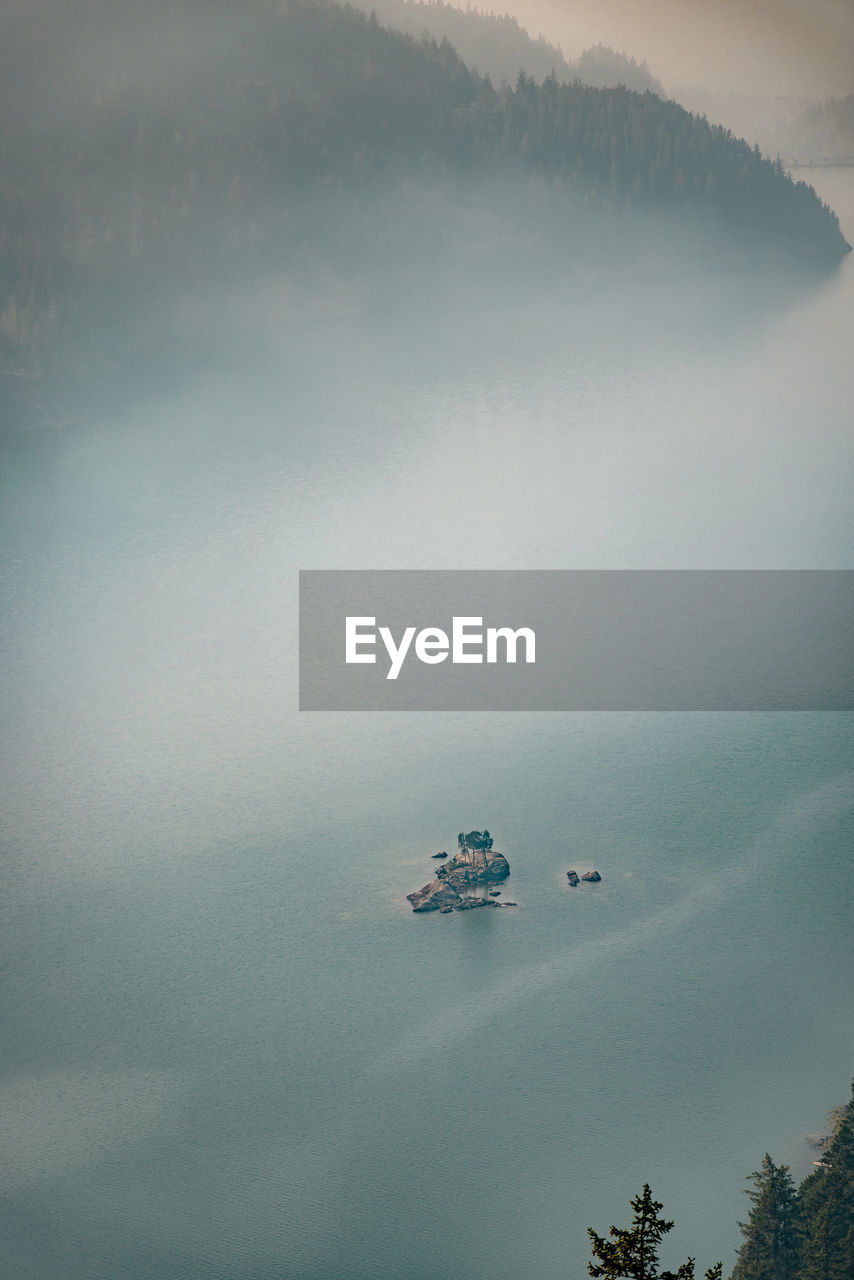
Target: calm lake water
{"x": 230, "y": 1049}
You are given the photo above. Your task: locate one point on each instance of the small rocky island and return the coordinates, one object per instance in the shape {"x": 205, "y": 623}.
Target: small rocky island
{"x": 475, "y": 863}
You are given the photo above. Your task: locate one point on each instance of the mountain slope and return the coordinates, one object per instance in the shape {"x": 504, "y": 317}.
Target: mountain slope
{"x": 496, "y": 45}
{"x": 147, "y": 150}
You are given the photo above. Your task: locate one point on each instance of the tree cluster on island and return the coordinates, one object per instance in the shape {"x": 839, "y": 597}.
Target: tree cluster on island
{"x": 474, "y": 846}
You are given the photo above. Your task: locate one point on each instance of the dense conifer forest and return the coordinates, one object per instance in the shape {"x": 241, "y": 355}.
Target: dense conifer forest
{"x": 803, "y": 1232}
{"x": 792, "y": 1232}
{"x": 151, "y": 154}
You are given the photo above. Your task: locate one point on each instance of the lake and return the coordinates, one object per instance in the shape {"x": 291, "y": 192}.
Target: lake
{"x": 231, "y": 1050}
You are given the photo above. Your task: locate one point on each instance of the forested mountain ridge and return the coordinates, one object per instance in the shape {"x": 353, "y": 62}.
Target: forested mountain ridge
{"x": 494, "y": 44}
{"x": 822, "y": 129}
{"x": 606, "y": 68}
{"x": 147, "y": 149}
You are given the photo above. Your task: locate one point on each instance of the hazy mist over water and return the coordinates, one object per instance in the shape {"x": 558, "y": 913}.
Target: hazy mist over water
{"x": 231, "y": 1050}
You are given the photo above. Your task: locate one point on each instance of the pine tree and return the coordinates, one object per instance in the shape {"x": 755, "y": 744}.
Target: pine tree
{"x": 633, "y": 1252}
{"x": 827, "y": 1206}
{"x": 771, "y": 1233}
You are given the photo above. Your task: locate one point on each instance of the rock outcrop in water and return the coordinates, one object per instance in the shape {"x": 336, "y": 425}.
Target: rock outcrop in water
{"x": 434, "y": 896}
{"x": 475, "y": 863}
{"x": 487, "y": 866}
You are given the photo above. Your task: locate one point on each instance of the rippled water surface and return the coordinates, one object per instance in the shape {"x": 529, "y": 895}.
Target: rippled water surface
{"x": 230, "y": 1048}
